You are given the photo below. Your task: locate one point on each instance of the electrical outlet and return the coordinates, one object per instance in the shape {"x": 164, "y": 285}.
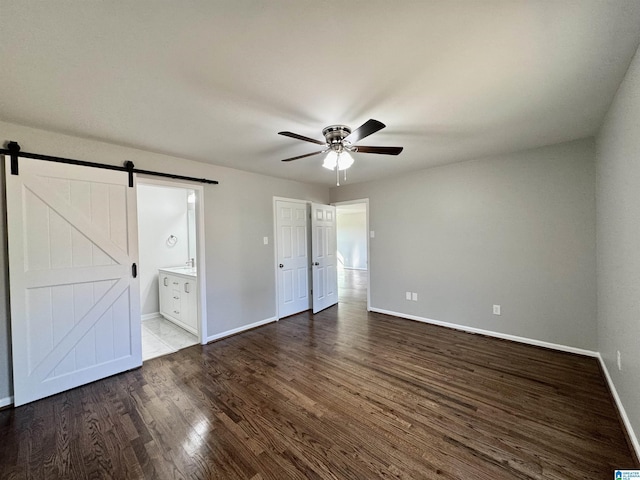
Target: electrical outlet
{"x": 414, "y": 296}
{"x": 372, "y": 234}
{"x": 496, "y": 310}
{"x": 407, "y": 295}
{"x": 619, "y": 360}
{"x": 265, "y": 240}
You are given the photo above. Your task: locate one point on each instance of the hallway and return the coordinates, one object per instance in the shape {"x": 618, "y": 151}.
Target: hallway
{"x": 352, "y": 288}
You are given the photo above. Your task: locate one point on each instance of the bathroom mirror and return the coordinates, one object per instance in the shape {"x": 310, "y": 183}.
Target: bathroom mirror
{"x": 191, "y": 223}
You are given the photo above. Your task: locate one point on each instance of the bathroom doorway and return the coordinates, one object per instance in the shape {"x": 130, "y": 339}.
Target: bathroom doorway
{"x": 171, "y": 268}
{"x": 353, "y": 235}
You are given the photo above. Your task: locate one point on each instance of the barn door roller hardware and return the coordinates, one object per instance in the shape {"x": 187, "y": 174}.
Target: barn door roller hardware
{"x": 13, "y": 150}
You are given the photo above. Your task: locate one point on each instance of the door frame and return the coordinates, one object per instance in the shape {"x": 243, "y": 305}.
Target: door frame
{"x": 366, "y": 202}
{"x": 200, "y": 249}
{"x": 307, "y": 203}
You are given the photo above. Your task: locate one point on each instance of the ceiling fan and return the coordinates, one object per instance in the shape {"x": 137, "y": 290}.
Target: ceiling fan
{"x": 339, "y": 143}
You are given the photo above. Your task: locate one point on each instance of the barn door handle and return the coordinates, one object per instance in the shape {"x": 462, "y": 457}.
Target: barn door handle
{"x": 134, "y": 270}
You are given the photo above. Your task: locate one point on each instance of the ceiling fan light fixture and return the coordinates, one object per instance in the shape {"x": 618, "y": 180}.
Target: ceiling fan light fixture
{"x": 331, "y": 160}
{"x": 344, "y": 161}
{"x": 340, "y": 160}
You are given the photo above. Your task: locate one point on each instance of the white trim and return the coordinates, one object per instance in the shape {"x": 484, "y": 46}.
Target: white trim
{"x": 354, "y": 268}
{"x": 6, "y": 401}
{"x": 489, "y": 333}
{"x": 233, "y": 331}
{"x": 287, "y": 199}
{"x": 368, "y": 269}
{"x": 202, "y": 257}
{"x": 149, "y": 316}
{"x": 623, "y": 413}
{"x": 200, "y": 253}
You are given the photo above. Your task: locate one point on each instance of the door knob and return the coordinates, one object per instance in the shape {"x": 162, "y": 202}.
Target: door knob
{"x": 281, "y": 266}
{"x": 316, "y": 264}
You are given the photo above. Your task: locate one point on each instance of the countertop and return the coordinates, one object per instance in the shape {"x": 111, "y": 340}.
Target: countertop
{"x": 186, "y": 271}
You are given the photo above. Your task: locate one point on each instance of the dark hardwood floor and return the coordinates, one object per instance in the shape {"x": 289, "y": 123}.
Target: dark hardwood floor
{"x": 343, "y": 394}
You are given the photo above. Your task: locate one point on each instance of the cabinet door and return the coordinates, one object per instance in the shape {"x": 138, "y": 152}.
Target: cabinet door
{"x": 164, "y": 286}
{"x": 190, "y": 304}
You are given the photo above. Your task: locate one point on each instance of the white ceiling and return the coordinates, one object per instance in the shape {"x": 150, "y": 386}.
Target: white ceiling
{"x": 214, "y": 81}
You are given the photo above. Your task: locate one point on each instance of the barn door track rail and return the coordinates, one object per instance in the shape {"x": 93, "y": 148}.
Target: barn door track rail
{"x": 13, "y": 150}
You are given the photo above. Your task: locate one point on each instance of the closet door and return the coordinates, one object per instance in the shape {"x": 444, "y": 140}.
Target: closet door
{"x": 75, "y": 315}
{"x": 292, "y": 257}
{"x": 324, "y": 255}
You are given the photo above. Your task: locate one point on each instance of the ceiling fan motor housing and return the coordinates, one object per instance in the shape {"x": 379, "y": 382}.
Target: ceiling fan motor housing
{"x": 336, "y": 133}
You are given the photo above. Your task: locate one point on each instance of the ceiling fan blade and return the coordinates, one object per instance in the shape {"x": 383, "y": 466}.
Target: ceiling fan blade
{"x": 380, "y": 150}
{"x": 303, "y": 156}
{"x": 301, "y": 137}
{"x": 366, "y": 129}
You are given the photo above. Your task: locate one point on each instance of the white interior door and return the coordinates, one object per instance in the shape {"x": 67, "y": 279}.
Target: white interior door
{"x": 292, "y": 257}
{"x": 324, "y": 256}
{"x": 75, "y": 314}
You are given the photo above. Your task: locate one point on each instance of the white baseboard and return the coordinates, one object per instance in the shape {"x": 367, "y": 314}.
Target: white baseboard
{"x": 149, "y": 316}
{"x": 355, "y": 268}
{"x": 489, "y": 333}
{"x": 623, "y": 413}
{"x": 5, "y": 402}
{"x": 218, "y": 336}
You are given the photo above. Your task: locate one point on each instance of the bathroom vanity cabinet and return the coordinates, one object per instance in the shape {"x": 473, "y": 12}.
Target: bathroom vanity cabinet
{"x": 178, "y": 296}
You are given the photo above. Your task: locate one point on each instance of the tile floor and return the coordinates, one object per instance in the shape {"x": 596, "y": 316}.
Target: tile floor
{"x": 161, "y": 337}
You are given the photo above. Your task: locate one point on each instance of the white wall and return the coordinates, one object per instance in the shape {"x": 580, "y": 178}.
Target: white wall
{"x": 516, "y": 230}
{"x": 618, "y": 257}
{"x": 162, "y": 212}
{"x": 352, "y": 238}
{"x": 238, "y": 214}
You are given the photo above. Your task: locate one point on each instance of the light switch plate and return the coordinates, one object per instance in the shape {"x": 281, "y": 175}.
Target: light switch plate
{"x": 265, "y": 240}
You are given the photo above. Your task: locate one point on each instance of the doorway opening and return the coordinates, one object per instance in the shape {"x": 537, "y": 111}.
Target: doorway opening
{"x": 171, "y": 266}
{"x": 353, "y": 251}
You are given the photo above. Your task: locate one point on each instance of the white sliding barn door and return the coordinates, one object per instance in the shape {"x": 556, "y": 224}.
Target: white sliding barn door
{"x": 324, "y": 256}
{"x": 75, "y": 314}
{"x": 292, "y": 257}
